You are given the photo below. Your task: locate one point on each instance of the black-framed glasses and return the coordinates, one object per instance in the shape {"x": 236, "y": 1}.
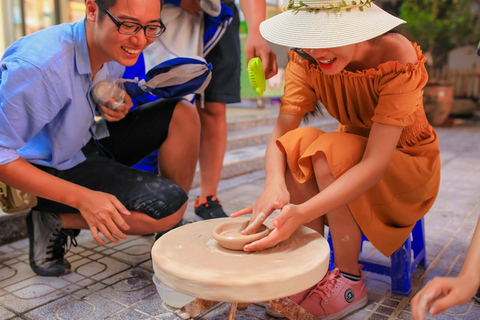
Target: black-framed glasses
{"x": 130, "y": 28}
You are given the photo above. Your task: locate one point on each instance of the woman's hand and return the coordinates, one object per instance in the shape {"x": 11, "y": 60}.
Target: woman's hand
{"x": 442, "y": 293}
{"x": 271, "y": 199}
{"x": 103, "y": 212}
{"x": 288, "y": 220}
{"x": 118, "y": 113}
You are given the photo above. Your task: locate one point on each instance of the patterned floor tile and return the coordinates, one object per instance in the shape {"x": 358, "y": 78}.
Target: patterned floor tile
{"x": 6, "y": 314}
{"x": 129, "y": 287}
{"x": 128, "y": 314}
{"x": 102, "y": 268}
{"x": 154, "y": 306}
{"x": 114, "y": 281}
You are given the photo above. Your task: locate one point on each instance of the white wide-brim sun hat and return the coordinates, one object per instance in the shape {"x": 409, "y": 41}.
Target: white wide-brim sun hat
{"x": 314, "y": 26}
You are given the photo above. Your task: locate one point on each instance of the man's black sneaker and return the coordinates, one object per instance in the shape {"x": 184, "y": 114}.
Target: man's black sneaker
{"x": 477, "y": 296}
{"x": 49, "y": 243}
{"x": 210, "y": 209}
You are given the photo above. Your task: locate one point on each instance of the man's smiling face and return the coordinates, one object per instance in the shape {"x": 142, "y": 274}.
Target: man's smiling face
{"x": 123, "y": 48}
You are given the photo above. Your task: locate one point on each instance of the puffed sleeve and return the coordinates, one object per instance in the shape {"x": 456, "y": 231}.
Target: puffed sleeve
{"x": 299, "y": 96}
{"x": 400, "y": 91}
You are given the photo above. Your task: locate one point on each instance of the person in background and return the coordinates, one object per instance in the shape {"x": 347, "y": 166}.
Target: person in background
{"x": 57, "y": 144}
{"x": 224, "y": 88}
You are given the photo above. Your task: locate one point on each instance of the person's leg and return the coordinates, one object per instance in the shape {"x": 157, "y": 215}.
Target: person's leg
{"x": 177, "y": 157}
{"x": 301, "y": 192}
{"x": 342, "y": 290}
{"x": 213, "y": 143}
{"x": 155, "y": 203}
{"x": 170, "y": 126}
{"x": 223, "y": 88}
{"x": 346, "y": 234}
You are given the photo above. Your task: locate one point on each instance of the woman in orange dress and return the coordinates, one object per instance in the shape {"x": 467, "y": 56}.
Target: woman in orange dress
{"x": 379, "y": 173}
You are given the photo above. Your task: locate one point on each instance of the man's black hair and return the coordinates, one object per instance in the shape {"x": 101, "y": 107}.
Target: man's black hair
{"x": 107, "y": 4}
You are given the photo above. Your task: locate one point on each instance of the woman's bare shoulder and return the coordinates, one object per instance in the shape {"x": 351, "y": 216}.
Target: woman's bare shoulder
{"x": 398, "y": 48}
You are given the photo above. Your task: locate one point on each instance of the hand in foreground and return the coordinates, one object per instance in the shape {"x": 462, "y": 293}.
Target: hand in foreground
{"x": 191, "y": 6}
{"x": 118, "y": 113}
{"x": 442, "y": 293}
{"x": 285, "y": 223}
{"x": 103, "y": 212}
{"x": 271, "y": 199}
{"x": 256, "y": 46}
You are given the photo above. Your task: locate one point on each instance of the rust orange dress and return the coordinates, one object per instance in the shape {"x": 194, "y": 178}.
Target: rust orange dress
{"x": 390, "y": 94}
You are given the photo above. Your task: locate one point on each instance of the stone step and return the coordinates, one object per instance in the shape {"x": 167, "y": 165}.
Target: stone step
{"x": 261, "y": 134}
{"x": 246, "y": 123}
{"x": 246, "y": 148}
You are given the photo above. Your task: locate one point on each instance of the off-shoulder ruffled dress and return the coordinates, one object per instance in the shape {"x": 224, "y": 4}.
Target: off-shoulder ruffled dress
{"x": 390, "y": 94}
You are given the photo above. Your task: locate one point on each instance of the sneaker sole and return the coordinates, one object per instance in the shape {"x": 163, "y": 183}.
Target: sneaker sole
{"x": 198, "y": 218}
{"x": 351, "y": 308}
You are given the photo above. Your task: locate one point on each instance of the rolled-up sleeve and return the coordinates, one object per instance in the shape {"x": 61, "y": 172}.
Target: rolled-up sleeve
{"x": 26, "y": 105}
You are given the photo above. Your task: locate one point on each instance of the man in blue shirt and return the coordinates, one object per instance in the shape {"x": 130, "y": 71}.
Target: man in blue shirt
{"x": 56, "y": 143}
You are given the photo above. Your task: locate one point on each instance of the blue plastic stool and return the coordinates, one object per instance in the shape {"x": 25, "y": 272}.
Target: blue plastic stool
{"x": 402, "y": 262}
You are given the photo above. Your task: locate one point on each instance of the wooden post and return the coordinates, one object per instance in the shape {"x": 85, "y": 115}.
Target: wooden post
{"x": 233, "y": 311}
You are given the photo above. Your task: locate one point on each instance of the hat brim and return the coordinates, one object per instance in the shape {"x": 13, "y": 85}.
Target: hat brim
{"x": 327, "y": 28}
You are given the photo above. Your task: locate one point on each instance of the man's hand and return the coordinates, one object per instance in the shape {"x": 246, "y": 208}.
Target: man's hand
{"x": 256, "y": 46}
{"x": 191, "y": 6}
{"x": 118, "y": 113}
{"x": 103, "y": 212}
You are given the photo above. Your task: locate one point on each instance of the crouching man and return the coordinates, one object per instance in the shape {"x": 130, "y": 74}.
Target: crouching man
{"x": 54, "y": 144}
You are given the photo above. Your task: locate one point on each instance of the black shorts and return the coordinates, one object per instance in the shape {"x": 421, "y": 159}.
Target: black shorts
{"x": 107, "y": 167}
{"x": 225, "y": 60}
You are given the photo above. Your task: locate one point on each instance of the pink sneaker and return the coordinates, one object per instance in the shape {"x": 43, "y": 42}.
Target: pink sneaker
{"x": 335, "y": 296}
{"x": 297, "y": 298}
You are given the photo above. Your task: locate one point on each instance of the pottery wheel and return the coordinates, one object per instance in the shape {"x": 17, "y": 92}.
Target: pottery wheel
{"x": 189, "y": 260}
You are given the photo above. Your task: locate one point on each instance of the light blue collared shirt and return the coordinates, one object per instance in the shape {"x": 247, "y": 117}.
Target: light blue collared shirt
{"x": 45, "y": 107}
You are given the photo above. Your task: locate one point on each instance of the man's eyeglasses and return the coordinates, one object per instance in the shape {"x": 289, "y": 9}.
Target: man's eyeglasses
{"x": 126, "y": 27}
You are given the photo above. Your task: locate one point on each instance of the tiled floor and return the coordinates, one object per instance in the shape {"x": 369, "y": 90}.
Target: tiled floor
{"x": 114, "y": 281}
